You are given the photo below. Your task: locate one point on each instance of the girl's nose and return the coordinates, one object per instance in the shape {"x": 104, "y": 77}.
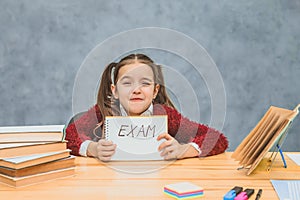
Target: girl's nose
{"x": 137, "y": 89}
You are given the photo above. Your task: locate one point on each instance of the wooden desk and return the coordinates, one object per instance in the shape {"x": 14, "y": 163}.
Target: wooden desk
{"x": 96, "y": 180}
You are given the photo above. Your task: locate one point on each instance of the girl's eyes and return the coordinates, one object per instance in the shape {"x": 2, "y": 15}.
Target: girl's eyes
{"x": 128, "y": 83}
{"x": 146, "y": 83}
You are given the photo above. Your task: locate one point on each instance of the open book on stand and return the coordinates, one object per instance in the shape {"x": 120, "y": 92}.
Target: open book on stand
{"x": 270, "y": 132}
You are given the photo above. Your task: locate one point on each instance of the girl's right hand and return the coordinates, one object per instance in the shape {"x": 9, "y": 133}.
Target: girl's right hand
{"x": 102, "y": 149}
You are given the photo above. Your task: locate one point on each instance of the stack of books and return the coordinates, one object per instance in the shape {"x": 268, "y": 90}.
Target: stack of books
{"x": 184, "y": 190}
{"x": 33, "y": 154}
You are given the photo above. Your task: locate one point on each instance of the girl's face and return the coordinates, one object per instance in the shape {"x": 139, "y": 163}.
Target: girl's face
{"x": 135, "y": 88}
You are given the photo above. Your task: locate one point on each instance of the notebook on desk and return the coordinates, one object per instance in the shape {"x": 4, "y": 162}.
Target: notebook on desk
{"x": 294, "y": 157}
{"x": 287, "y": 189}
{"x": 135, "y": 137}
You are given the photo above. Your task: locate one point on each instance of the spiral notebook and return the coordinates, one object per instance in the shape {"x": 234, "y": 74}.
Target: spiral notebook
{"x": 135, "y": 137}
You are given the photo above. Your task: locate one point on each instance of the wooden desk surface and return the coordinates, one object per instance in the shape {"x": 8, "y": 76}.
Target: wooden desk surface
{"x": 115, "y": 180}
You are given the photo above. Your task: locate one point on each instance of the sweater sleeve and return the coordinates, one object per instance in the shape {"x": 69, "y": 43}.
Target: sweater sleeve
{"x": 210, "y": 141}
{"x": 82, "y": 129}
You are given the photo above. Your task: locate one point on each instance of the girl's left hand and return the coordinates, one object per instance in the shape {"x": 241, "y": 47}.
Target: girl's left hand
{"x": 170, "y": 148}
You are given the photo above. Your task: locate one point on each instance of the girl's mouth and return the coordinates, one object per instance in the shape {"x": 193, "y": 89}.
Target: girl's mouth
{"x": 136, "y": 99}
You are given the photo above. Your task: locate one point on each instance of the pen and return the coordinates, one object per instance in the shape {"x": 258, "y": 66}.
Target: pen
{"x": 244, "y": 195}
{"x": 258, "y": 194}
{"x": 232, "y": 193}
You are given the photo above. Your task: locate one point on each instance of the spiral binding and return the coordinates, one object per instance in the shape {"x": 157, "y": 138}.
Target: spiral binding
{"x": 106, "y": 129}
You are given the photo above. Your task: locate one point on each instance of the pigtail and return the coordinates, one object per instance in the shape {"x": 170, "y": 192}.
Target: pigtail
{"x": 162, "y": 96}
{"x": 105, "y": 100}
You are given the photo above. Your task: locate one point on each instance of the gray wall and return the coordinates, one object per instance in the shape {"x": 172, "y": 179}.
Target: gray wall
{"x": 255, "y": 44}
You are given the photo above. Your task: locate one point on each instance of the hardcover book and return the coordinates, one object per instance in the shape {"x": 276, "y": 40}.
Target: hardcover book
{"x": 40, "y": 168}
{"x": 45, "y": 133}
{"x": 9, "y": 150}
{"x": 33, "y": 159}
{"x": 36, "y": 178}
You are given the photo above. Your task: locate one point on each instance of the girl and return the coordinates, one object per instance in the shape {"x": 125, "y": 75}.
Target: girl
{"x": 135, "y": 86}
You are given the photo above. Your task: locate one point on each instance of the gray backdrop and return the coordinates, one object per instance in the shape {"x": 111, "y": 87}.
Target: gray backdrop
{"x": 255, "y": 44}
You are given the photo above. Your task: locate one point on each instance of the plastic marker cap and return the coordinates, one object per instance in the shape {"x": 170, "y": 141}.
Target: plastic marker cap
{"x": 241, "y": 196}
{"x": 244, "y": 195}
{"x": 249, "y": 192}
{"x": 229, "y": 195}
{"x": 232, "y": 193}
{"x": 237, "y": 189}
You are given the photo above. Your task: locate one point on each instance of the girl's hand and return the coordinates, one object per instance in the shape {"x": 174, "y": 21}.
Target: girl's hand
{"x": 171, "y": 149}
{"x": 102, "y": 149}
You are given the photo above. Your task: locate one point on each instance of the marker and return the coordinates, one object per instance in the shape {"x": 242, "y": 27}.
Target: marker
{"x": 232, "y": 193}
{"x": 244, "y": 195}
{"x": 258, "y": 194}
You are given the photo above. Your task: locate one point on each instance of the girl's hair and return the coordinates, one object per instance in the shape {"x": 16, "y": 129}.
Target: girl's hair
{"x": 106, "y": 102}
